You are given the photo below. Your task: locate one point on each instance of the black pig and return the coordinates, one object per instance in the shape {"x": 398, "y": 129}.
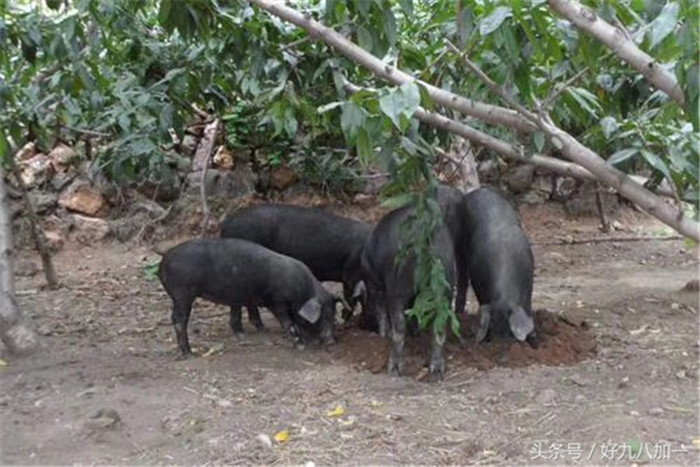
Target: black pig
{"x": 392, "y": 289}
{"x": 500, "y": 265}
{"x": 240, "y": 273}
{"x": 328, "y": 244}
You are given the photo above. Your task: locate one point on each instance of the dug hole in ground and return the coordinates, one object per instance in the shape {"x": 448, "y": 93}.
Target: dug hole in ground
{"x": 617, "y": 365}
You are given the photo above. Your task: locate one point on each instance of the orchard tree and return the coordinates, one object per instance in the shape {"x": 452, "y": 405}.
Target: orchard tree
{"x": 604, "y": 91}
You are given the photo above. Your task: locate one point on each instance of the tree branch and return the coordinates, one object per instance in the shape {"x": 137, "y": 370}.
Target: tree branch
{"x": 486, "y": 112}
{"x": 620, "y": 43}
{"x": 505, "y": 149}
{"x": 606, "y": 173}
{"x": 495, "y": 88}
{"x": 571, "y": 148}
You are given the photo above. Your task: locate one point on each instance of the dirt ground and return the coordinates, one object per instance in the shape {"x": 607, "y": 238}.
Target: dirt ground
{"x": 613, "y": 380}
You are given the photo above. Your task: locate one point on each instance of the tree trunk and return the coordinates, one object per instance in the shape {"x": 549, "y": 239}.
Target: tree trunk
{"x": 570, "y": 148}
{"x": 16, "y": 330}
{"x": 37, "y": 232}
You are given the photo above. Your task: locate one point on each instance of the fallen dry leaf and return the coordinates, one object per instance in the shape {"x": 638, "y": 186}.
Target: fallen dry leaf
{"x": 282, "y": 436}
{"x": 337, "y": 412}
{"x": 213, "y": 349}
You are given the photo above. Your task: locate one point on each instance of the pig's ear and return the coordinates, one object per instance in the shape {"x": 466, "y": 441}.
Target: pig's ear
{"x": 311, "y": 310}
{"x": 360, "y": 291}
{"x": 521, "y": 324}
{"x": 484, "y": 321}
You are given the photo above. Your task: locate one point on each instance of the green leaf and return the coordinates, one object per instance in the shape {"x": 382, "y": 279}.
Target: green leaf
{"x": 390, "y": 26}
{"x": 364, "y": 38}
{"x": 351, "y": 120}
{"x": 397, "y": 201}
{"x": 539, "y": 140}
{"x": 657, "y": 163}
{"x": 391, "y": 105}
{"x": 364, "y": 147}
{"x": 663, "y": 24}
{"x": 411, "y": 95}
{"x": 622, "y": 155}
{"x": 401, "y": 102}
{"x": 494, "y": 20}
{"x": 141, "y": 146}
{"x": 585, "y": 99}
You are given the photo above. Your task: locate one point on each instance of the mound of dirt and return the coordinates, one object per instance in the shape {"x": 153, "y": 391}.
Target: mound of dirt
{"x": 559, "y": 341}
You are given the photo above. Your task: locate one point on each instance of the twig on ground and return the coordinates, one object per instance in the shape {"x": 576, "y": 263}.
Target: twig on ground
{"x": 581, "y": 241}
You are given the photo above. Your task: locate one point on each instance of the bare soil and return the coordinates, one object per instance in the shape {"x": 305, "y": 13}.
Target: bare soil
{"x": 616, "y": 366}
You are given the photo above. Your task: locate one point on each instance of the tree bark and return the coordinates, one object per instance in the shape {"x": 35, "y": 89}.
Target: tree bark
{"x": 37, "y": 233}
{"x": 620, "y": 43}
{"x": 569, "y": 147}
{"x": 201, "y": 162}
{"x": 16, "y": 331}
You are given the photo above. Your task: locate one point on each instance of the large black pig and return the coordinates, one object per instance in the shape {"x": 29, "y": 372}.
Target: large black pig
{"x": 392, "y": 289}
{"x": 238, "y": 273}
{"x": 500, "y": 265}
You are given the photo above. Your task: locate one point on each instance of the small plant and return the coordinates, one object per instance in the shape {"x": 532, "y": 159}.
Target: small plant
{"x": 150, "y": 270}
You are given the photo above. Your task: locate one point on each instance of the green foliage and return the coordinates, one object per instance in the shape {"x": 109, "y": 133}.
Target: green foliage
{"x": 150, "y": 270}
{"x": 414, "y": 184}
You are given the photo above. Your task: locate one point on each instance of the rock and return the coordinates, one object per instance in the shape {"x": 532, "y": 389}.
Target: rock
{"x": 546, "y": 397}
{"x": 624, "y": 383}
{"x": 89, "y": 229}
{"x": 532, "y": 197}
{"x": 374, "y": 182}
{"x": 27, "y": 268}
{"x": 582, "y": 201}
{"x": 519, "y": 178}
{"x": 362, "y": 199}
{"x": 36, "y": 170}
{"x": 62, "y": 157}
{"x": 103, "y": 419}
{"x": 692, "y": 285}
{"x": 540, "y": 190}
{"x": 223, "y": 159}
{"x": 188, "y": 145}
{"x": 282, "y": 178}
{"x": 62, "y": 179}
{"x": 564, "y": 187}
{"x": 53, "y": 222}
{"x": 488, "y": 171}
{"x": 54, "y": 239}
{"x": 230, "y": 183}
{"x": 655, "y": 411}
{"x": 265, "y": 440}
{"x": 43, "y": 201}
{"x": 27, "y": 151}
{"x": 580, "y": 398}
{"x": 681, "y": 374}
{"x": 84, "y": 198}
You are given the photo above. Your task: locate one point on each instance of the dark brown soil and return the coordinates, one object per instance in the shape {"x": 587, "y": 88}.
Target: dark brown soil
{"x": 559, "y": 342}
